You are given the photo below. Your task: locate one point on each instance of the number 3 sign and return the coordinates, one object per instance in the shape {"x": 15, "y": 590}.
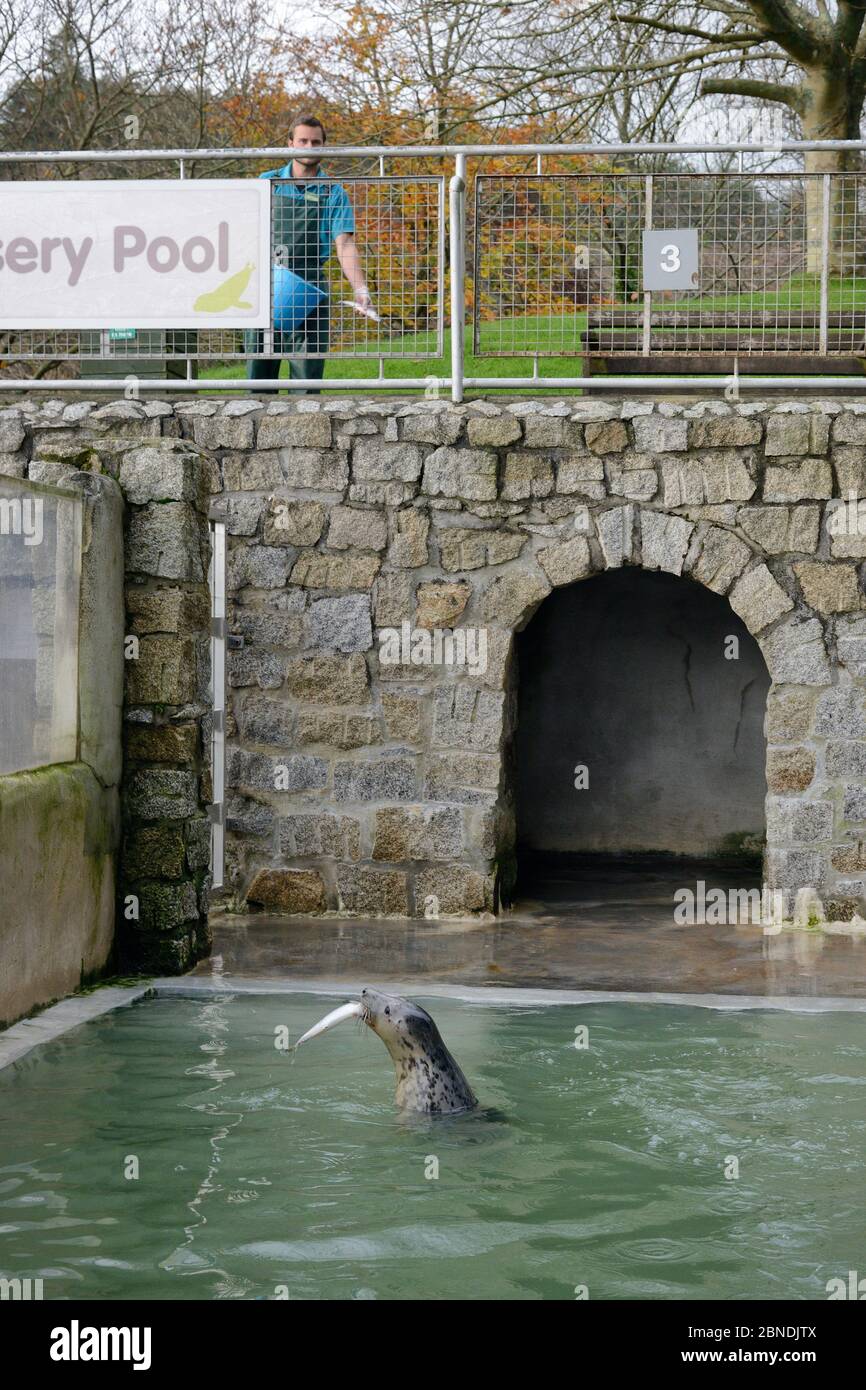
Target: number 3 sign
{"x": 670, "y": 259}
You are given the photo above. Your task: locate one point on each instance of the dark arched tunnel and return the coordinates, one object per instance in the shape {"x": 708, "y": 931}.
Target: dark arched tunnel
{"x": 640, "y": 729}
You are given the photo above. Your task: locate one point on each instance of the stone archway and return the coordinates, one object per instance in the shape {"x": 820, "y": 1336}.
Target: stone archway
{"x": 367, "y": 788}
{"x": 808, "y": 706}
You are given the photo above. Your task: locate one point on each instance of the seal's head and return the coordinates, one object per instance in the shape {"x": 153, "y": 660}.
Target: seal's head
{"x": 400, "y": 1024}
{"x": 428, "y": 1078}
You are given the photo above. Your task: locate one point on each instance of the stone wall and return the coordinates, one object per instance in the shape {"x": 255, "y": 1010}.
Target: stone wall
{"x": 365, "y": 787}
{"x": 347, "y": 517}
{"x": 166, "y": 844}
{"x": 60, "y": 824}
{"x": 161, "y": 648}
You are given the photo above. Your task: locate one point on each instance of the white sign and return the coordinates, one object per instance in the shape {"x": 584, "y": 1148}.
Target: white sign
{"x": 671, "y": 259}
{"x": 155, "y": 253}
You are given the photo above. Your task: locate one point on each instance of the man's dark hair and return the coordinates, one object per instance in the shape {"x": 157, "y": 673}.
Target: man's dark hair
{"x": 307, "y": 120}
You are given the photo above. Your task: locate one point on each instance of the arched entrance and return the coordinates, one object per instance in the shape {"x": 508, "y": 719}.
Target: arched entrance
{"x": 641, "y": 699}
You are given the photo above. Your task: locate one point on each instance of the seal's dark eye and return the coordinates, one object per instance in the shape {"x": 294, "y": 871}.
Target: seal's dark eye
{"x": 388, "y": 1013}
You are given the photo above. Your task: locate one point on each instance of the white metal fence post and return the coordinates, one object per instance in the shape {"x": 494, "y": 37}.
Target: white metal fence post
{"x": 182, "y": 174}
{"x": 825, "y": 264}
{"x": 268, "y": 334}
{"x": 217, "y": 578}
{"x": 647, "y": 298}
{"x": 457, "y": 212}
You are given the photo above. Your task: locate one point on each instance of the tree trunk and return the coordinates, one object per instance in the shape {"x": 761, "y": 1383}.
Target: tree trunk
{"x": 831, "y": 110}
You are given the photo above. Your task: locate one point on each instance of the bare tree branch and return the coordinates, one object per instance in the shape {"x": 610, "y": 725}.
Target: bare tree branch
{"x": 785, "y": 93}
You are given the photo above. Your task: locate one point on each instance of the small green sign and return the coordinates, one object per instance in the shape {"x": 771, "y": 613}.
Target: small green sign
{"x": 121, "y": 335}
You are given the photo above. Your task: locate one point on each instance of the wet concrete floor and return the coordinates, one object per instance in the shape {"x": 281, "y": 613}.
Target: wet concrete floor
{"x": 600, "y": 925}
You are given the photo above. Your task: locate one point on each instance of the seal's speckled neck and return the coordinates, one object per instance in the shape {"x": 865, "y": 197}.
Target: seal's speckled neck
{"x": 428, "y": 1078}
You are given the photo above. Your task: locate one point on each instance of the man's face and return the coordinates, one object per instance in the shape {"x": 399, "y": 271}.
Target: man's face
{"x": 308, "y": 137}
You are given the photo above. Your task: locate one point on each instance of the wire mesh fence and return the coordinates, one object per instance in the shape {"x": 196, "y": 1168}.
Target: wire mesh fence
{"x": 560, "y": 270}
{"x": 551, "y": 264}
{"x": 398, "y": 227}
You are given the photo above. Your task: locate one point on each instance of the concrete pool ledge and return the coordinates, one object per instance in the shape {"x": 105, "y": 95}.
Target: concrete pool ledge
{"x": 16, "y": 1042}
{"x": 201, "y": 986}
{"x": 61, "y": 1018}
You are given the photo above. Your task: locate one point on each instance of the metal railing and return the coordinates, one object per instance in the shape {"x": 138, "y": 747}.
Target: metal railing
{"x": 769, "y": 249}
{"x": 774, "y": 266}
{"x": 399, "y": 220}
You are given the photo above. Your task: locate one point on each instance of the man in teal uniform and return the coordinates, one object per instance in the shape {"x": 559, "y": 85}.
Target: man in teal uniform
{"x": 310, "y": 218}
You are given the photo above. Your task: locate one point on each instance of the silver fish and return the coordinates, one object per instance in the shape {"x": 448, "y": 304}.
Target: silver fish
{"x": 331, "y": 1020}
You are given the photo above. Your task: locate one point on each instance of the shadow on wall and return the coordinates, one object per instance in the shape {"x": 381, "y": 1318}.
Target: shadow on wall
{"x": 641, "y": 700}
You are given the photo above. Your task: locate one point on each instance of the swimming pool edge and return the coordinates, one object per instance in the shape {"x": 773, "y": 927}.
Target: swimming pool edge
{"x": 20, "y": 1039}
{"x": 193, "y": 987}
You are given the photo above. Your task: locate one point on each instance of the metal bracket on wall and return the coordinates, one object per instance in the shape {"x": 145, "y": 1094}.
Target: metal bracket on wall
{"x": 217, "y": 581}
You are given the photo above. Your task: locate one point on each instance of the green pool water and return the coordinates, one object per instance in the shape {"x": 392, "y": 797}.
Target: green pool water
{"x": 259, "y": 1177}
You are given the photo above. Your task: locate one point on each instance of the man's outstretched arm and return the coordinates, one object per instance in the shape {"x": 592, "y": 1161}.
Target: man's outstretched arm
{"x": 350, "y": 263}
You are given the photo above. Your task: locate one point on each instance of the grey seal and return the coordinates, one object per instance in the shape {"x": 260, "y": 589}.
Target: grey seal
{"x": 428, "y": 1078}
{"x": 429, "y": 1081}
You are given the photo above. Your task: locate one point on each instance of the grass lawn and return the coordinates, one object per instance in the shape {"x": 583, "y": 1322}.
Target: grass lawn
{"x": 353, "y": 369}
{"x": 562, "y": 332}
{"x": 797, "y": 292}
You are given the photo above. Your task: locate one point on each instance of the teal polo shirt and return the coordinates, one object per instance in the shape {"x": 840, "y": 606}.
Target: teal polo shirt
{"x": 335, "y": 211}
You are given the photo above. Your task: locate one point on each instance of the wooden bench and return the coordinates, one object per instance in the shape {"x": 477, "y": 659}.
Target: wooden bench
{"x": 687, "y": 342}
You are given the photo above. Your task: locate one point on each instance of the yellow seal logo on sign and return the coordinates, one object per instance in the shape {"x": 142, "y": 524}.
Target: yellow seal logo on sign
{"x": 227, "y": 295}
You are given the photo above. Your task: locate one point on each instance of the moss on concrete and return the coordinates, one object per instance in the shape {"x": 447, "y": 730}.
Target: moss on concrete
{"x": 58, "y": 831}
